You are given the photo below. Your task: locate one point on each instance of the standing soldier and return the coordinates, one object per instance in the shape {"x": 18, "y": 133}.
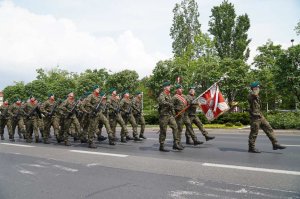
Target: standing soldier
{"x": 4, "y": 118}
{"x": 194, "y": 119}
{"x": 180, "y": 103}
{"x": 126, "y": 112}
{"x": 49, "y": 109}
{"x": 257, "y": 120}
{"x": 32, "y": 112}
{"x": 68, "y": 108}
{"x": 15, "y": 112}
{"x": 137, "y": 111}
{"x": 166, "y": 117}
{"x": 115, "y": 116}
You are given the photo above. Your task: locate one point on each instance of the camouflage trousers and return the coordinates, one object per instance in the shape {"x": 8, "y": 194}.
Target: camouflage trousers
{"x": 3, "y": 123}
{"x": 117, "y": 119}
{"x": 141, "y": 121}
{"x": 164, "y": 121}
{"x": 265, "y": 126}
{"x": 13, "y": 123}
{"x": 129, "y": 118}
{"x": 94, "y": 126}
{"x": 194, "y": 119}
{"x": 71, "y": 126}
{"x": 48, "y": 122}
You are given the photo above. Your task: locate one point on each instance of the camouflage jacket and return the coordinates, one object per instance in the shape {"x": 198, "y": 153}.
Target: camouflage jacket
{"x": 15, "y": 111}
{"x": 32, "y": 110}
{"x": 4, "y": 111}
{"x": 125, "y": 107}
{"x": 113, "y": 106}
{"x": 179, "y": 102}
{"x": 90, "y": 103}
{"x": 65, "y": 108}
{"x": 191, "y": 111}
{"x": 165, "y": 104}
{"x": 49, "y": 107}
{"x": 136, "y": 107}
{"x": 254, "y": 103}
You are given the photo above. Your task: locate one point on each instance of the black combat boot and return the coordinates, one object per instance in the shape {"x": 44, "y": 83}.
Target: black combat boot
{"x": 128, "y": 137}
{"x": 67, "y": 143}
{"x": 46, "y": 141}
{"x": 197, "y": 142}
{"x": 253, "y": 150}
{"x": 177, "y": 147}
{"x": 278, "y": 146}
{"x": 20, "y": 136}
{"x": 92, "y": 145}
{"x": 142, "y": 136}
{"x": 12, "y": 140}
{"x": 189, "y": 141}
{"x": 2, "y": 137}
{"x": 123, "y": 140}
{"x": 137, "y": 139}
{"x": 58, "y": 139}
{"x": 101, "y": 138}
{"x": 207, "y": 137}
{"x": 162, "y": 148}
{"x": 37, "y": 139}
{"x": 111, "y": 142}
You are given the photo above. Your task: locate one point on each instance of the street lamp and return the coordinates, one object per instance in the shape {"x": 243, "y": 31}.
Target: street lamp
{"x": 292, "y": 40}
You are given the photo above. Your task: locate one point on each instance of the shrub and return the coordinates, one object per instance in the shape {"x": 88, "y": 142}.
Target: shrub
{"x": 151, "y": 117}
{"x": 228, "y": 124}
{"x": 284, "y": 120}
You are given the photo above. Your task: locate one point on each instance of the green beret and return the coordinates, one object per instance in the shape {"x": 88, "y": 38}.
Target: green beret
{"x": 138, "y": 92}
{"x": 126, "y": 91}
{"x": 177, "y": 86}
{"x": 254, "y": 84}
{"x": 102, "y": 93}
{"x": 17, "y": 99}
{"x": 87, "y": 93}
{"x": 50, "y": 94}
{"x": 166, "y": 83}
{"x": 95, "y": 87}
{"x": 192, "y": 86}
{"x": 112, "y": 90}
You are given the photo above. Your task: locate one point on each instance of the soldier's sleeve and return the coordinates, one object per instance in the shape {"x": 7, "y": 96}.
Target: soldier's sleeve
{"x": 162, "y": 101}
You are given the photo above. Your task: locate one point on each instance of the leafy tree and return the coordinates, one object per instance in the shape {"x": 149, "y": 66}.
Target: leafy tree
{"x": 15, "y": 91}
{"x": 230, "y": 32}
{"x": 297, "y": 28}
{"x": 37, "y": 88}
{"x": 124, "y": 80}
{"x": 185, "y": 26}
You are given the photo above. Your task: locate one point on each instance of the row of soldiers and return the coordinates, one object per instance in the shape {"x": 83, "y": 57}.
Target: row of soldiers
{"x": 81, "y": 118}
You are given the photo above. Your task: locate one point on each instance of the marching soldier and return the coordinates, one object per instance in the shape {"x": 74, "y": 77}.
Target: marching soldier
{"x": 115, "y": 116}
{"x": 257, "y": 120}
{"x": 32, "y": 112}
{"x": 137, "y": 111}
{"x": 126, "y": 112}
{"x": 194, "y": 119}
{"x": 166, "y": 117}
{"x": 180, "y": 103}
{"x": 16, "y": 112}
{"x": 49, "y": 109}
{"x": 4, "y": 118}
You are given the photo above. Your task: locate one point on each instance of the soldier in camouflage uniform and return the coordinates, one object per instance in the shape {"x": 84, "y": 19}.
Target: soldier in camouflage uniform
{"x": 180, "y": 103}
{"x": 166, "y": 117}
{"x": 32, "y": 112}
{"x": 104, "y": 110}
{"x": 194, "y": 119}
{"x": 257, "y": 120}
{"x": 126, "y": 112}
{"x": 137, "y": 111}
{"x": 4, "y": 118}
{"x": 49, "y": 109}
{"x": 68, "y": 114}
{"x": 16, "y": 112}
{"x": 115, "y": 115}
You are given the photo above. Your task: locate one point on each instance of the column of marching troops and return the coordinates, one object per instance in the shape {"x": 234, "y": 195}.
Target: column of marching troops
{"x": 84, "y": 118}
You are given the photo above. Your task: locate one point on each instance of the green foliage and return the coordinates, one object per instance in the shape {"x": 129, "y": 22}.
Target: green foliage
{"x": 297, "y": 28}
{"x": 230, "y": 32}
{"x": 38, "y": 88}
{"x": 229, "y": 124}
{"x": 151, "y": 117}
{"x": 233, "y": 118}
{"x": 289, "y": 120}
{"x": 124, "y": 80}
{"x": 15, "y": 91}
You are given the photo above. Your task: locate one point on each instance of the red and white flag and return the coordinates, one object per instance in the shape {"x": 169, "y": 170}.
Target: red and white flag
{"x": 212, "y": 103}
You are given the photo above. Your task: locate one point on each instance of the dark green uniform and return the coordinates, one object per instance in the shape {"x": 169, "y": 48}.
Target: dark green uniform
{"x": 4, "y": 118}
{"x": 16, "y": 113}
{"x": 138, "y": 115}
{"x": 166, "y": 117}
{"x": 116, "y": 118}
{"x": 31, "y": 120}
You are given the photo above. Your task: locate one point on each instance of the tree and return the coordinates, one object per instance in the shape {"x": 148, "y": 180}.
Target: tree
{"x": 11, "y": 93}
{"x": 185, "y": 26}
{"x": 124, "y": 80}
{"x": 230, "y": 32}
{"x": 297, "y": 28}
{"x": 37, "y": 88}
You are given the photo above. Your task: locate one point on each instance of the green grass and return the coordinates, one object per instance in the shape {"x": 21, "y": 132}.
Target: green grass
{"x": 210, "y": 126}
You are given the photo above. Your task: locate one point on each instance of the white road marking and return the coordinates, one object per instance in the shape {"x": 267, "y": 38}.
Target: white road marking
{"x": 93, "y": 164}
{"x": 156, "y": 139}
{"x": 291, "y": 145}
{"x": 65, "y": 168}
{"x": 252, "y": 169}
{"x": 23, "y": 171}
{"x": 98, "y": 153}
{"x": 21, "y": 145}
{"x": 34, "y": 165}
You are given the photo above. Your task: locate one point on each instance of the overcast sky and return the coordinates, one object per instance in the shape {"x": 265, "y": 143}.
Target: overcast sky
{"x": 115, "y": 34}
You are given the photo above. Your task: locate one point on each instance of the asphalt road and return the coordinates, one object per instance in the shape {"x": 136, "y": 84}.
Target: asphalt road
{"x": 221, "y": 168}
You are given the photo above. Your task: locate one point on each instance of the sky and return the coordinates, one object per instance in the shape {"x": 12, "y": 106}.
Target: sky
{"x": 116, "y": 34}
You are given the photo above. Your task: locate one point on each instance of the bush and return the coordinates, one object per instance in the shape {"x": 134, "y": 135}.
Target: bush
{"x": 238, "y": 124}
{"x": 242, "y": 118}
{"x": 151, "y": 117}
{"x": 228, "y": 124}
{"x": 286, "y": 120}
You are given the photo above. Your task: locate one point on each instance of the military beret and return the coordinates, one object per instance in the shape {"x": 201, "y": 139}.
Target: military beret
{"x": 50, "y": 94}
{"x": 138, "y": 92}
{"x": 192, "y": 86}
{"x": 254, "y": 84}
{"x": 17, "y": 99}
{"x": 126, "y": 91}
{"x": 112, "y": 90}
{"x": 166, "y": 83}
{"x": 95, "y": 87}
{"x": 177, "y": 86}
{"x": 102, "y": 93}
